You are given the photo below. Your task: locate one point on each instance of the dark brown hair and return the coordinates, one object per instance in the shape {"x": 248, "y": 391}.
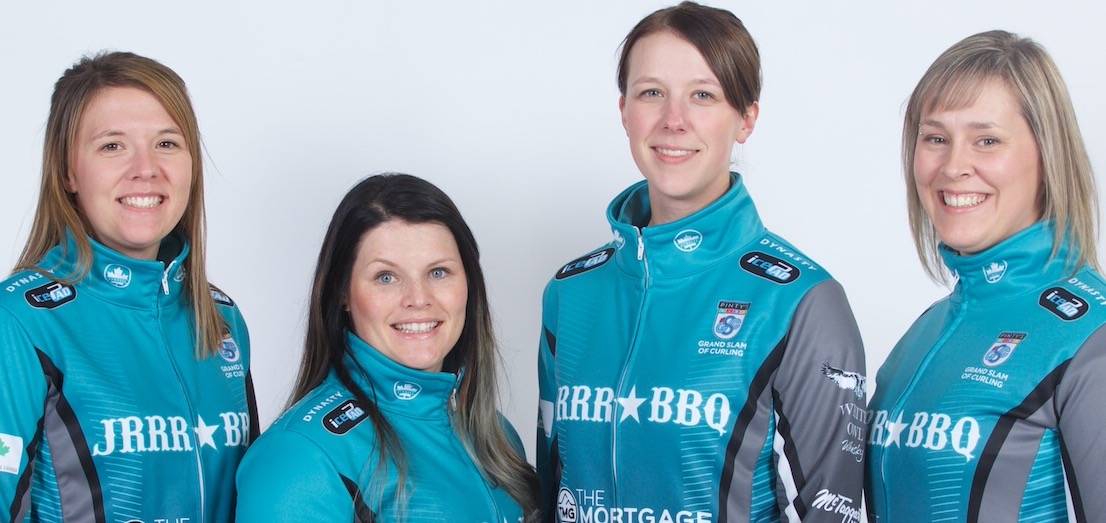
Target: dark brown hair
{"x": 720, "y": 37}
{"x": 373, "y": 201}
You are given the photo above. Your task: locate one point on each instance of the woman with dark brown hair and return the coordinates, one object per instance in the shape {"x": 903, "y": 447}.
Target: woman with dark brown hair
{"x": 698, "y": 367}
{"x": 394, "y": 415}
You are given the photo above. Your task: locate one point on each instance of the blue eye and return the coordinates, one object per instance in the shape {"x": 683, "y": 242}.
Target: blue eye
{"x": 650, "y": 93}
{"x": 703, "y": 95}
{"x": 439, "y": 273}
{"x": 386, "y": 278}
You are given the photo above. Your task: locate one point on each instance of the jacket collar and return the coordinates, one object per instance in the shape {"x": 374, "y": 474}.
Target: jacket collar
{"x": 1020, "y": 263}
{"x": 120, "y": 279}
{"x": 687, "y": 245}
{"x": 398, "y": 389}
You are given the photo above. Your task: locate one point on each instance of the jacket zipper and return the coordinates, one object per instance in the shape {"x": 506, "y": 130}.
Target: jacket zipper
{"x": 451, "y": 409}
{"x": 641, "y": 256}
{"x": 184, "y": 392}
{"x": 898, "y": 405}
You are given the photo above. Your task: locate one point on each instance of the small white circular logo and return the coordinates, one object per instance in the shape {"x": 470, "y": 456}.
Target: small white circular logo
{"x": 117, "y": 275}
{"x": 688, "y": 240}
{"x": 406, "y": 390}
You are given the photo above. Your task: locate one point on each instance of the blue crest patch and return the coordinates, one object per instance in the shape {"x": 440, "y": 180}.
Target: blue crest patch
{"x": 1002, "y": 349}
{"x": 730, "y": 318}
{"x": 229, "y": 350}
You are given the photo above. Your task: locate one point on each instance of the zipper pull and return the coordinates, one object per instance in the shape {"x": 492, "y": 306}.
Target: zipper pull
{"x": 165, "y": 277}
{"x": 456, "y": 385}
{"x": 640, "y": 246}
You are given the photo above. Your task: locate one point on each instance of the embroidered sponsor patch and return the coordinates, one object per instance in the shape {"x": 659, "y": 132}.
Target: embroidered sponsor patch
{"x": 688, "y": 240}
{"x": 1063, "y": 304}
{"x": 585, "y": 263}
{"x": 229, "y": 350}
{"x": 1002, "y": 348}
{"x": 11, "y": 453}
{"x": 51, "y": 295}
{"x": 769, "y": 267}
{"x": 406, "y": 390}
{"x": 846, "y": 380}
{"x": 118, "y": 275}
{"x": 221, "y": 298}
{"x": 343, "y": 418}
{"x": 730, "y": 318}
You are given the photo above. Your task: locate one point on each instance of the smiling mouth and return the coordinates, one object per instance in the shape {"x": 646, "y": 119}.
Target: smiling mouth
{"x": 674, "y": 154}
{"x": 963, "y": 200}
{"x": 421, "y": 327}
{"x": 142, "y": 202}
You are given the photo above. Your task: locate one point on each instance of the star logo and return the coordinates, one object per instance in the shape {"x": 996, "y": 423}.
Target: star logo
{"x": 205, "y": 433}
{"x": 894, "y": 431}
{"x": 630, "y": 404}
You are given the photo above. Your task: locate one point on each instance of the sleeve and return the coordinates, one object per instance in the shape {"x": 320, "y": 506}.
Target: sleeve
{"x": 236, "y": 323}
{"x": 22, "y": 399}
{"x": 820, "y": 402}
{"x": 1083, "y": 429}
{"x": 286, "y": 478}
{"x": 548, "y": 460}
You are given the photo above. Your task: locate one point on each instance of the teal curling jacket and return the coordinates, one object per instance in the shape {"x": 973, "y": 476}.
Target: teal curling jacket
{"x": 105, "y": 412}
{"x": 701, "y": 370}
{"x": 990, "y": 407}
{"x": 319, "y": 460}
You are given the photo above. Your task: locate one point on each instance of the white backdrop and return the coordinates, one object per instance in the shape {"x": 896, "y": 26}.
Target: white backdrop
{"x": 510, "y": 107}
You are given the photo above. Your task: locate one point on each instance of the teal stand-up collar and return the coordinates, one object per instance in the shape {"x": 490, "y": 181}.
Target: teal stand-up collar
{"x": 398, "y": 389}
{"x": 687, "y": 245}
{"x": 120, "y": 279}
{"x": 1020, "y": 263}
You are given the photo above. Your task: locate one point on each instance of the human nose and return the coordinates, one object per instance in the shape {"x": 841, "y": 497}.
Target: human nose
{"x": 144, "y": 165}
{"x": 416, "y": 295}
{"x": 958, "y": 161}
{"x": 675, "y": 117}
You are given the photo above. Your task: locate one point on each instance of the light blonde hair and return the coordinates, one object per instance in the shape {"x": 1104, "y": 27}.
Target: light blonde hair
{"x": 57, "y": 211}
{"x": 954, "y": 80}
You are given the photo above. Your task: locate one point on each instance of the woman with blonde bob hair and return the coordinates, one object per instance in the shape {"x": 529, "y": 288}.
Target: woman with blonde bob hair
{"x": 128, "y": 393}
{"x": 988, "y": 409}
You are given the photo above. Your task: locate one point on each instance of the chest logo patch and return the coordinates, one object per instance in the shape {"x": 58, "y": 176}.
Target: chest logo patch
{"x": 118, "y": 275}
{"x": 343, "y": 418}
{"x": 50, "y": 296}
{"x": 229, "y": 350}
{"x": 585, "y": 263}
{"x": 769, "y": 267}
{"x": 994, "y": 272}
{"x": 688, "y": 240}
{"x": 1063, "y": 304}
{"x": 406, "y": 390}
{"x": 730, "y": 318}
{"x": 1002, "y": 349}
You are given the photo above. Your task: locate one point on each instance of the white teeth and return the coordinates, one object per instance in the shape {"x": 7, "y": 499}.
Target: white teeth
{"x": 963, "y": 200}
{"x": 674, "y": 152}
{"x": 142, "y": 202}
{"x": 416, "y": 328}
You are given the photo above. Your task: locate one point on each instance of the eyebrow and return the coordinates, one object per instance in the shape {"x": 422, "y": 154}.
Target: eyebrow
{"x": 431, "y": 264}
{"x": 971, "y": 125}
{"x": 697, "y": 81}
{"x": 117, "y": 132}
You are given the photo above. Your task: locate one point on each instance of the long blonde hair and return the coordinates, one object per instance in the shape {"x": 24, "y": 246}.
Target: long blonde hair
{"x": 57, "y": 210}
{"x": 954, "y": 80}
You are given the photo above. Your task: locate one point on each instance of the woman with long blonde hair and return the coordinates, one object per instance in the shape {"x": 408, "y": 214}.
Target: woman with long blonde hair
{"x": 127, "y": 393}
